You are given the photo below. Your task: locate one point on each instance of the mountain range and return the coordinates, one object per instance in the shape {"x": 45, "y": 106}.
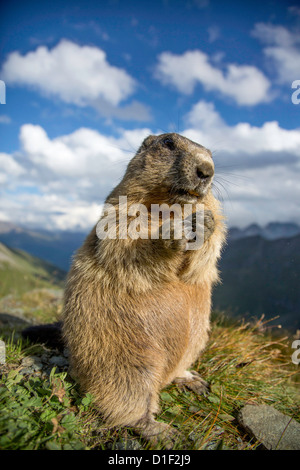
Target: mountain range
{"x": 260, "y": 266}
{"x": 261, "y": 276}
{"x": 56, "y": 248}
{"x": 272, "y": 231}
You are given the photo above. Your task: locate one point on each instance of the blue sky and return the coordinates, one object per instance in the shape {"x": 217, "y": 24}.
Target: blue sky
{"x": 87, "y": 81}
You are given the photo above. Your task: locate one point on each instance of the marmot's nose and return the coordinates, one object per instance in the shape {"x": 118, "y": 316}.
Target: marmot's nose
{"x": 204, "y": 171}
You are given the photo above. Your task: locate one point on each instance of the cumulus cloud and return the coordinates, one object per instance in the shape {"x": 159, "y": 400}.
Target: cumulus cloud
{"x": 241, "y": 140}
{"x": 245, "y": 84}
{"x": 85, "y": 150}
{"x": 76, "y": 74}
{"x": 10, "y": 169}
{"x": 84, "y": 161}
{"x": 261, "y": 195}
{"x": 282, "y": 50}
{"x": 61, "y": 183}
{"x": 50, "y": 211}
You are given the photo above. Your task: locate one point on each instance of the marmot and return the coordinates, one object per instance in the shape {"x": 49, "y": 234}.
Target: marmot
{"x": 136, "y": 310}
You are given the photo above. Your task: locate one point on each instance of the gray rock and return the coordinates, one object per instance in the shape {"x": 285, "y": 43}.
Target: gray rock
{"x": 66, "y": 352}
{"x": 125, "y": 444}
{"x": 59, "y": 361}
{"x": 215, "y": 439}
{"x": 13, "y": 320}
{"x": 2, "y": 352}
{"x": 45, "y": 358}
{"x": 31, "y": 361}
{"x": 273, "y": 429}
{"x": 30, "y": 364}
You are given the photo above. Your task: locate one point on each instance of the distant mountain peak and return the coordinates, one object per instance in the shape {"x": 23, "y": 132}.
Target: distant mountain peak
{"x": 55, "y": 247}
{"x": 271, "y": 231}
{"x": 6, "y": 227}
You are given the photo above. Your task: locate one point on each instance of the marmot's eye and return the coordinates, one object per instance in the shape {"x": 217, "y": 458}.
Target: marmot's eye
{"x": 169, "y": 143}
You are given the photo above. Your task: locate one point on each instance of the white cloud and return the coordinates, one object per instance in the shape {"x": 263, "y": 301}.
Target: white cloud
{"x": 70, "y": 155}
{"x": 261, "y": 195}
{"x": 84, "y": 153}
{"x": 282, "y": 49}
{"x": 76, "y": 74}
{"x": 62, "y": 182}
{"x": 245, "y": 84}
{"x": 207, "y": 127}
{"x": 50, "y": 211}
{"x": 9, "y": 169}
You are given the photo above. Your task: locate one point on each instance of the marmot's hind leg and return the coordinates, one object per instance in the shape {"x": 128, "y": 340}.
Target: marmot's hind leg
{"x": 135, "y": 408}
{"x": 156, "y": 432}
{"x": 153, "y": 431}
{"x": 193, "y": 381}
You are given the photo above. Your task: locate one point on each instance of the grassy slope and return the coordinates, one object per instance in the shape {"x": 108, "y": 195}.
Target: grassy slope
{"x": 241, "y": 364}
{"x": 56, "y": 248}
{"x": 30, "y": 289}
{"x": 21, "y": 272}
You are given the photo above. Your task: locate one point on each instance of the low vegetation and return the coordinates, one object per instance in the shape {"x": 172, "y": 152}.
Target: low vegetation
{"x": 243, "y": 363}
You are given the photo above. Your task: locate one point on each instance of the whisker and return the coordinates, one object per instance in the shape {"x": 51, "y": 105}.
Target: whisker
{"x": 223, "y": 188}
{"x": 221, "y": 198}
{"x": 219, "y": 193}
{"x": 231, "y": 173}
{"x": 224, "y": 180}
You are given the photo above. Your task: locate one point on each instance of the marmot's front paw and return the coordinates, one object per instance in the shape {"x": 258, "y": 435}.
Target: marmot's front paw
{"x": 209, "y": 224}
{"x": 172, "y": 235}
{"x": 193, "y": 381}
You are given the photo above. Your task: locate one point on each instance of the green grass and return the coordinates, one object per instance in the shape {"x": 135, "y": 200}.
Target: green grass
{"x": 13, "y": 281}
{"x": 40, "y": 414}
{"x": 242, "y": 364}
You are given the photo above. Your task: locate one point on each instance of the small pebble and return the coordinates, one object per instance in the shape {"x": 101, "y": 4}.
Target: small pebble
{"x": 59, "y": 361}
{"x": 2, "y": 352}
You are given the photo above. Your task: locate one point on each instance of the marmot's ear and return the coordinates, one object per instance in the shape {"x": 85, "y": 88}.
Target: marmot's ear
{"x": 148, "y": 141}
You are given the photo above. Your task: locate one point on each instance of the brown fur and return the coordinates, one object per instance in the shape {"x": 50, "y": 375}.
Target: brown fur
{"x": 136, "y": 312}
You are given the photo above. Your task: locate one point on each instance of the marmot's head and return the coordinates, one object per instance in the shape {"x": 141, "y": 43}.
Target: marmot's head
{"x": 172, "y": 167}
